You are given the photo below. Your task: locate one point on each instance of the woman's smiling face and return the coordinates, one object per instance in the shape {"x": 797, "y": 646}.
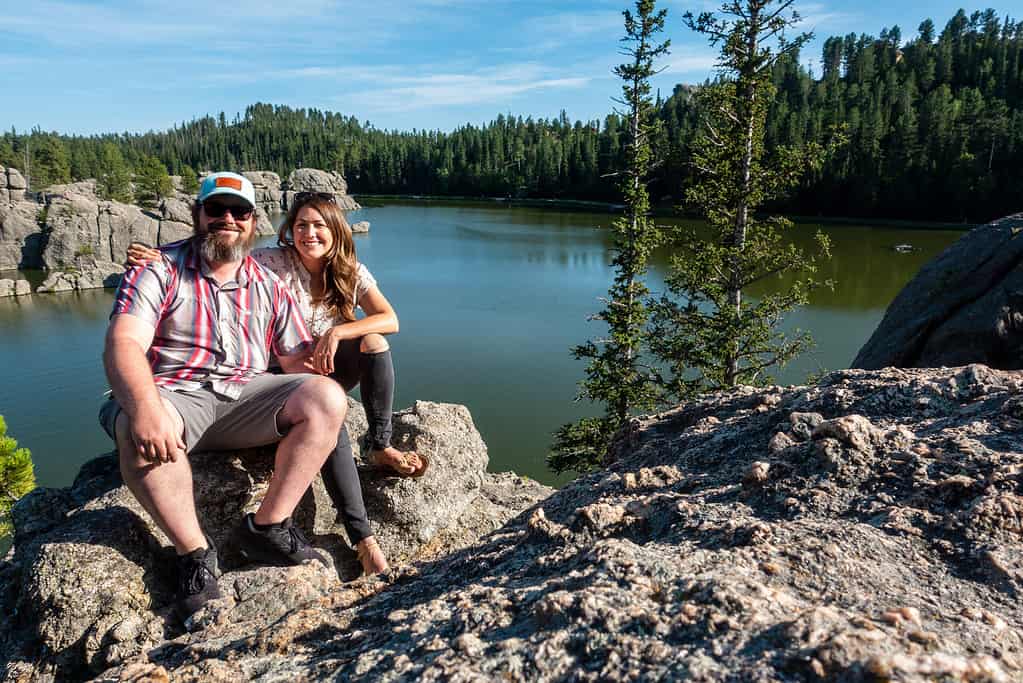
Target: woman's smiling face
{"x": 311, "y": 234}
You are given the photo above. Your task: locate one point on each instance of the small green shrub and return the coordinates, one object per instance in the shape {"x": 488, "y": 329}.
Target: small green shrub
{"x": 85, "y": 250}
{"x": 16, "y": 476}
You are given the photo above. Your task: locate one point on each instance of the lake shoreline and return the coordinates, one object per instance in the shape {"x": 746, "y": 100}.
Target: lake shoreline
{"x": 658, "y": 211}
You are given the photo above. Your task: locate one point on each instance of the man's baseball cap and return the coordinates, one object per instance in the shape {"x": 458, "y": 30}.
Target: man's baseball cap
{"x": 226, "y": 183}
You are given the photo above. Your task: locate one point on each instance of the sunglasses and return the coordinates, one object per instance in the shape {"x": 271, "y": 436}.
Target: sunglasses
{"x": 216, "y": 209}
{"x": 303, "y": 197}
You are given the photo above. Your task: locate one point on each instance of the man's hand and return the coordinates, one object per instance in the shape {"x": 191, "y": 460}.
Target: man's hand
{"x": 156, "y": 434}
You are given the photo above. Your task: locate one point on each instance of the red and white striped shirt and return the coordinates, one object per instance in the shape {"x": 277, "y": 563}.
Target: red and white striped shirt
{"x": 205, "y": 333}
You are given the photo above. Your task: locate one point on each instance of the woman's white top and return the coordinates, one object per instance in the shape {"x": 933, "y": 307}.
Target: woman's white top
{"x": 286, "y": 264}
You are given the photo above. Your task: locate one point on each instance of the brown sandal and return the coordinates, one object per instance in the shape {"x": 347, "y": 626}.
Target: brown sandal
{"x": 393, "y": 471}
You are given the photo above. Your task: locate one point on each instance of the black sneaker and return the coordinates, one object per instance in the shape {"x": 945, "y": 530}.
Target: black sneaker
{"x": 197, "y": 580}
{"x": 278, "y": 544}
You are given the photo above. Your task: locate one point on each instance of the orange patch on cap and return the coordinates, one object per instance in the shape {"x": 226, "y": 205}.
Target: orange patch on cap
{"x": 233, "y": 183}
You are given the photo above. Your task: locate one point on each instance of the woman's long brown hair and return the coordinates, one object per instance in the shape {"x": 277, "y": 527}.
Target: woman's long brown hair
{"x": 339, "y": 274}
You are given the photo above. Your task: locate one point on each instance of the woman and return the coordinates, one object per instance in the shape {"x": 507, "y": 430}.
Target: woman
{"x": 316, "y": 259}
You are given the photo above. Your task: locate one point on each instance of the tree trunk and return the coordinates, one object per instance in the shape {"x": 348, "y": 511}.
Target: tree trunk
{"x": 746, "y": 101}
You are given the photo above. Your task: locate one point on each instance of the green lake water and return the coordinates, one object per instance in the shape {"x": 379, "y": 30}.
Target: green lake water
{"x": 490, "y": 298}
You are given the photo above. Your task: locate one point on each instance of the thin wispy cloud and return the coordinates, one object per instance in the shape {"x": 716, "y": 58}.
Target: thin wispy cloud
{"x": 569, "y": 25}
{"x": 817, "y": 16}
{"x": 690, "y": 60}
{"x": 451, "y": 89}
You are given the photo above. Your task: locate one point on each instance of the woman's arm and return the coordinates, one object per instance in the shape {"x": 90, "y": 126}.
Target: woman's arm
{"x": 380, "y": 316}
{"x": 380, "y": 319}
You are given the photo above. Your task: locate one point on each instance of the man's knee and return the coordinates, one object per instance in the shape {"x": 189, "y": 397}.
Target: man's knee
{"x": 319, "y": 399}
{"x": 374, "y": 343}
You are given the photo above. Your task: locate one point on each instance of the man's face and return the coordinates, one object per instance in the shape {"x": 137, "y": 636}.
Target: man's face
{"x": 226, "y": 229}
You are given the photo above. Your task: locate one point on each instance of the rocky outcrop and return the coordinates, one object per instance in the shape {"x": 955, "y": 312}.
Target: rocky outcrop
{"x": 175, "y": 218}
{"x": 867, "y": 528}
{"x": 88, "y": 584}
{"x": 965, "y": 306}
{"x": 269, "y": 195}
{"x": 360, "y": 227}
{"x": 21, "y": 235}
{"x": 314, "y": 180}
{"x": 12, "y": 185}
{"x": 78, "y": 224}
{"x": 81, "y": 239}
{"x": 86, "y": 237}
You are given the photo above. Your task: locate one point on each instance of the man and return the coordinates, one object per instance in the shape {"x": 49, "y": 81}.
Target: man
{"x": 186, "y": 355}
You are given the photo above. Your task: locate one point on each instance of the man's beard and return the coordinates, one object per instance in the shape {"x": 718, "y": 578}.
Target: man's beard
{"x": 213, "y": 250}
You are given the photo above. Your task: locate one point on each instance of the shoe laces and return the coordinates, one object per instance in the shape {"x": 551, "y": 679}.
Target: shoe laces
{"x": 296, "y": 538}
{"x": 194, "y": 576}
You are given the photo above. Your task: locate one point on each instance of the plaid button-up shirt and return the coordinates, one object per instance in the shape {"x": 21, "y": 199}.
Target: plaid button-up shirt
{"x": 205, "y": 333}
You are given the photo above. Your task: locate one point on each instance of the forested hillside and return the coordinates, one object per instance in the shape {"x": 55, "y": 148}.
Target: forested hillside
{"x": 934, "y": 125}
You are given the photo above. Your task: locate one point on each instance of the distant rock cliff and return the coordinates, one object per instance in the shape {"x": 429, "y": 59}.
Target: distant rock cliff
{"x": 313, "y": 180}
{"x": 81, "y": 239}
{"x": 866, "y": 528}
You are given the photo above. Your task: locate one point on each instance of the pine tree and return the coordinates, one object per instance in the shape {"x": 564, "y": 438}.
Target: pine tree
{"x": 616, "y": 375}
{"x": 189, "y": 180}
{"x": 114, "y": 181}
{"x": 8, "y": 157}
{"x": 50, "y": 162}
{"x": 16, "y": 476}
{"x": 152, "y": 182}
{"x": 703, "y": 329}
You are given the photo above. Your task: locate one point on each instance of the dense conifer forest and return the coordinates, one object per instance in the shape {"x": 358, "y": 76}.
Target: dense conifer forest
{"x": 934, "y": 124}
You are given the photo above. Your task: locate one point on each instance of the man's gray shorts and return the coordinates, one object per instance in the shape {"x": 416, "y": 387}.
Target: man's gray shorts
{"x": 214, "y": 423}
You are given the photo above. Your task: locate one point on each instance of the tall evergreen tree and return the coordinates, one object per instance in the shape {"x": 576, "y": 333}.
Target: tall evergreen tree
{"x": 617, "y": 375}
{"x": 189, "y": 180}
{"x": 7, "y": 154}
{"x": 152, "y": 182}
{"x": 705, "y": 330}
{"x": 114, "y": 181}
{"x": 50, "y": 161}
{"x": 16, "y": 476}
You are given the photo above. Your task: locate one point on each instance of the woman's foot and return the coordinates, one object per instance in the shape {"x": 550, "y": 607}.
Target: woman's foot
{"x": 371, "y": 556}
{"x": 403, "y": 463}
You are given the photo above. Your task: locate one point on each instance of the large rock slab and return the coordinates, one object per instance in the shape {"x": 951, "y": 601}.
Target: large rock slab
{"x": 965, "y": 306}
{"x": 867, "y": 528}
{"x": 411, "y": 512}
{"x": 15, "y": 185}
{"x": 21, "y": 237}
{"x": 78, "y": 225}
{"x": 87, "y": 272}
{"x": 315, "y": 180}
{"x": 89, "y": 582}
{"x": 269, "y": 195}
{"x": 175, "y": 220}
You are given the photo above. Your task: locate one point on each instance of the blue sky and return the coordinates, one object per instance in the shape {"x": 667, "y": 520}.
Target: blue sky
{"x": 135, "y": 65}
